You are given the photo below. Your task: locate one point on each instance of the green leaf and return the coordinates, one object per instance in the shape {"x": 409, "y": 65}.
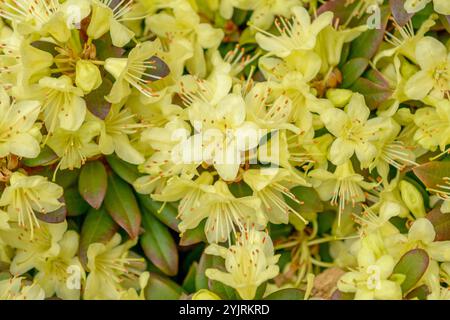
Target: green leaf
{"x": 309, "y": 197}
{"x": 240, "y": 189}
{"x": 165, "y": 212}
{"x": 352, "y": 70}
{"x": 367, "y": 44}
{"x": 419, "y": 293}
{"x": 162, "y": 288}
{"x": 286, "y": 294}
{"x": 189, "y": 280}
{"x": 158, "y": 245}
{"x": 45, "y": 158}
{"x": 75, "y": 204}
{"x": 125, "y": 170}
{"x": 399, "y": 13}
{"x": 121, "y": 204}
{"x": 66, "y": 178}
{"x": 97, "y": 227}
{"x": 194, "y": 236}
{"x": 92, "y": 183}
{"x": 441, "y": 224}
{"x": 432, "y": 173}
{"x": 413, "y": 265}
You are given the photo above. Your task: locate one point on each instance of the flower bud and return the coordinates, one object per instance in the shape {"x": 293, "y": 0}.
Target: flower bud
{"x": 204, "y": 294}
{"x": 339, "y": 97}
{"x": 412, "y": 198}
{"x": 88, "y": 76}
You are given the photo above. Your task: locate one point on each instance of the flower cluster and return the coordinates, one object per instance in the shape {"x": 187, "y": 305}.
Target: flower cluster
{"x": 290, "y": 148}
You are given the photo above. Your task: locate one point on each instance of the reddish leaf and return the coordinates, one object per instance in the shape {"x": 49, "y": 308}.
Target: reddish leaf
{"x": 93, "y": 183}
{"x": 399, "y": 12}
{"x": 441, "y": 224}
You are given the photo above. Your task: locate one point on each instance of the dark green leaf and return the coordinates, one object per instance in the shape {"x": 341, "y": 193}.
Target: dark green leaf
{"x": 165, "y": 212}
{"x": 121, "y": 204}
{"x": 75, "y": 204}
{"x": 162, "y": 288}
{"x": 158, "y": 245}
{"x": 352, "y": 70}
{"x": 189, "y": 280}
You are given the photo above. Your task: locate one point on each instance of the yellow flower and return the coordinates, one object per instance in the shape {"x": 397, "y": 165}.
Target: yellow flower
{"x": 269, "y": 185}
{"x": 27, "y": 194}
{"x": 422, "y": 234}
{"x": 341, "y": 187}
{"x": 434, "y": 77}
{"x": 204, "y": 294}
{"x": 441, "y": 6}
{"x": 185, "y": 23}
{"x": 43, "y": 16}
{"x": 249, "y": 263}
{"x": 115, "y": 130}
{"x": 223, "y": 212}
{"x": 135, "y": 71}
{"x": 131, "y": 293}
{"x": 433, "y": 126}
{"x": 32, "y": 253}
{"x": 19, "y": 134}
{"x": 354, "y": 131}
{"x": 63, "y": 104}
{"x": 296, "y": 34}
{"x": 186, "y": 190}
{"x": 108, "y": 265}
{"x": 54, "y": 274}
{"x": 108, "y": 15}
{"x": 74, "y": 147}
{"x": 372, "y": 281}
{"x": 17, "y": 289}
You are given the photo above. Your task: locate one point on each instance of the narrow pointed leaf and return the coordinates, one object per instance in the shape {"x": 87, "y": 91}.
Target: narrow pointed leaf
{"x": 121, "y": 204}
{"x": 165, "y": 212}
{"x": 158, "y": 245}
{"x": 125, "y": 170}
